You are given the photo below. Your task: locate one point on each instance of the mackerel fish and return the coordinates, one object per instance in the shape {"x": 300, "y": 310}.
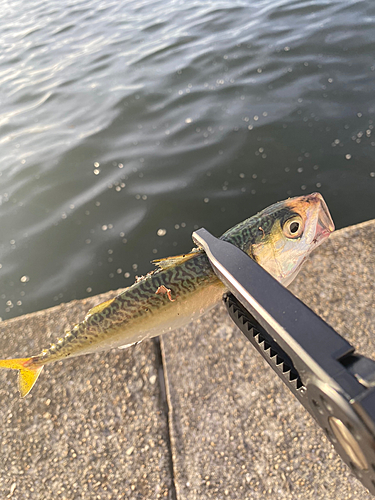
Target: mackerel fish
{"x": 184, "y": 287}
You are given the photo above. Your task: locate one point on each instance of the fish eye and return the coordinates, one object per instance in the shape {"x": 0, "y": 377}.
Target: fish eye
{"x": 293, "y": 228}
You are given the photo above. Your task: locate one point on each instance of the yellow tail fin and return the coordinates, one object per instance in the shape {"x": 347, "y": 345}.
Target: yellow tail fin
{"x": 28, "y": 373}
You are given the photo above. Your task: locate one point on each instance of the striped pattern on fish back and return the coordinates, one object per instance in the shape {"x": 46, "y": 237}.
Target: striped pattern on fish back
{"x": 135, "y": 302}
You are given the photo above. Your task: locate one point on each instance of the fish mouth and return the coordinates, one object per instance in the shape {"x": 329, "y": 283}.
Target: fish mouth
{"x": 324, "y": 225}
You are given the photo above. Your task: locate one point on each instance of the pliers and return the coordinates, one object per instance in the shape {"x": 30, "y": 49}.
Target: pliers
{"x": 335, "y": 384}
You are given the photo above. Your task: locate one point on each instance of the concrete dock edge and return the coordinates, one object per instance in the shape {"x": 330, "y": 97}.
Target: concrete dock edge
{"x": 196, "y": 415}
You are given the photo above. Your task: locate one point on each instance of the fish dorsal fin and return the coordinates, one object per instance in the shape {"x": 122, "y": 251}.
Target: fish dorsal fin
{"x": 176, "y": 259}
{"x": 99, "y": 308}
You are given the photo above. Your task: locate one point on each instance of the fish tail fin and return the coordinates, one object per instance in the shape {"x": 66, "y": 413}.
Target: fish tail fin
{"x": 28, "y": 372}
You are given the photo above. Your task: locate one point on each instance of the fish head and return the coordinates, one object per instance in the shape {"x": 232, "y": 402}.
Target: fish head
{"x": 287, "y": 233}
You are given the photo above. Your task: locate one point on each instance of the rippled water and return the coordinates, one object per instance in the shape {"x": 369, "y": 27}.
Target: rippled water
{"x": 120, "y": 121}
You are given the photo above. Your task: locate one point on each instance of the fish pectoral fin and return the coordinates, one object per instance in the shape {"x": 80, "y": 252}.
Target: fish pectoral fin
{"x": 176, "y": 259}
{"x": 28, "y": 373}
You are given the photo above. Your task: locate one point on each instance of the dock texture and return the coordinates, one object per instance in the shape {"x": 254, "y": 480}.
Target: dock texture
{"x": 194, "y": 415}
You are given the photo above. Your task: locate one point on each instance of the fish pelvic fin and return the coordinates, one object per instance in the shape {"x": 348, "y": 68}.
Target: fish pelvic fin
{"x": 28, "y": 372}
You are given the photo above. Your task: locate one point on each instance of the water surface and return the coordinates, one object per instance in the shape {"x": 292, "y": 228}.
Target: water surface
{"x": 126, "y": 125}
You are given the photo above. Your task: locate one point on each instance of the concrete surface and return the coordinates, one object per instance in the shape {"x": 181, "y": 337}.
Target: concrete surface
{"x": 93, "y": 427}
{"x": 99, "y": 426}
